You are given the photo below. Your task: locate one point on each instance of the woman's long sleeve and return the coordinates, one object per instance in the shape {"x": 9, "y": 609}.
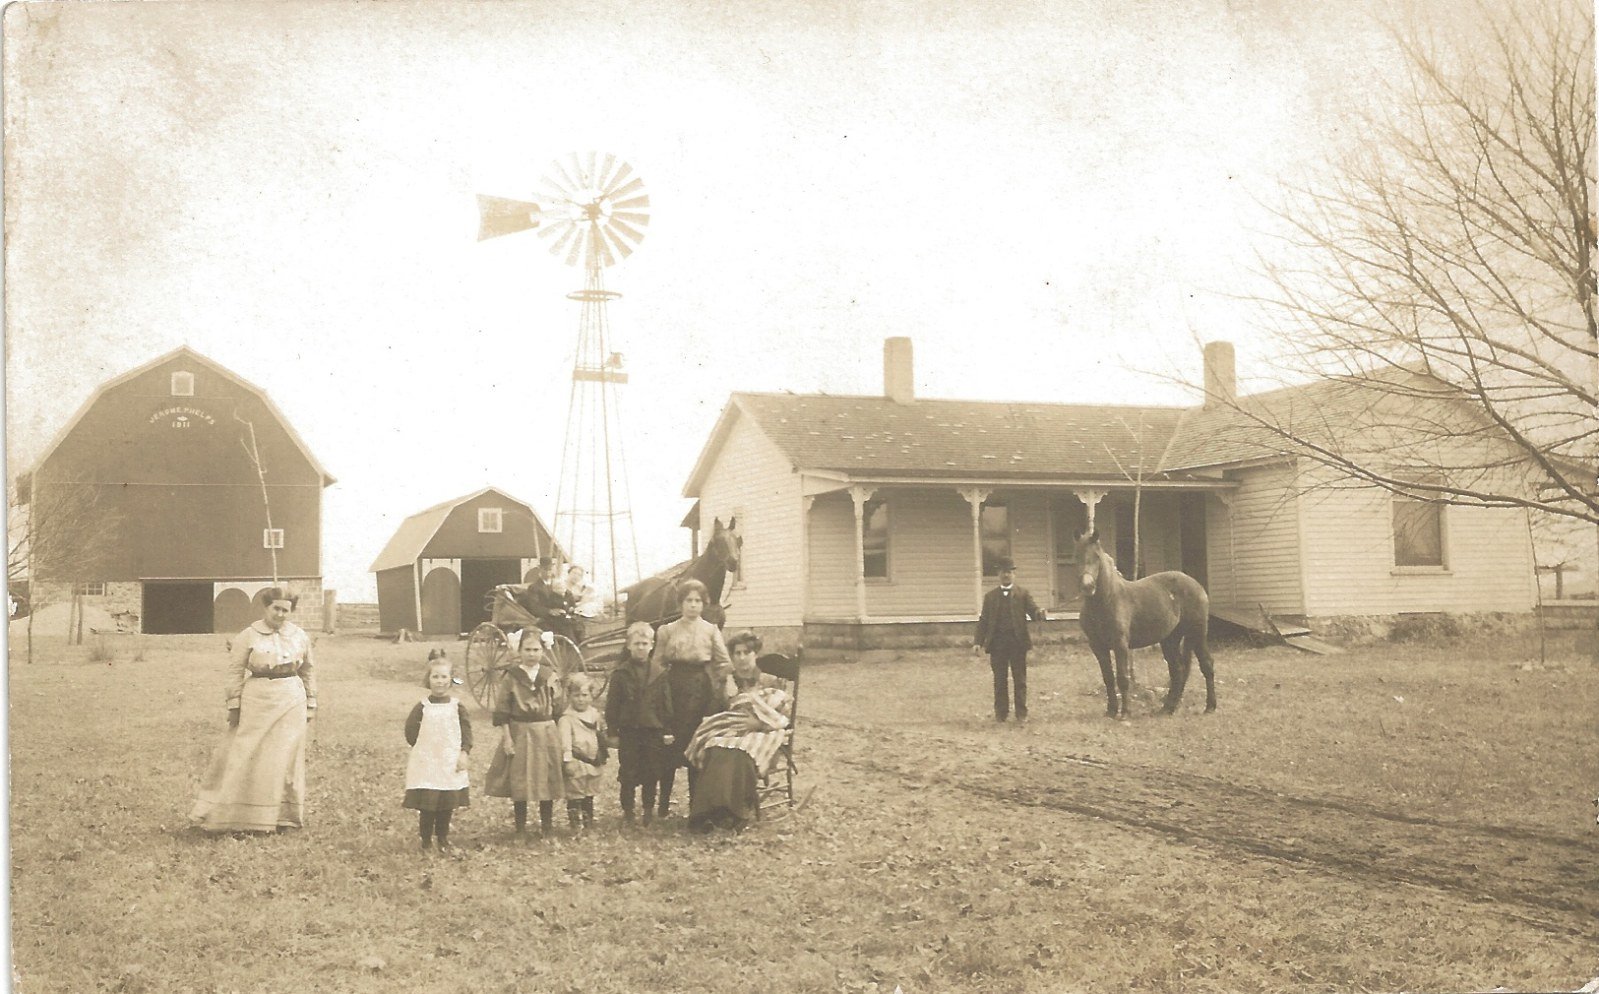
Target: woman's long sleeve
{"x": 239, "y": 666}
{"x": 307, "y": 671}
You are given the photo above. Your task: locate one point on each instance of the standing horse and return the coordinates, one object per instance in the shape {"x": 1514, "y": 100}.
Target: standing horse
{"x": 1119, "y": 615}
{"x": 654, "y": 599}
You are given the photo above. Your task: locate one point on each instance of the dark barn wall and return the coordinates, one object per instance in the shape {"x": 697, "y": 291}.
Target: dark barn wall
{"x": 209, "y": 532}
{"x": 176, "y": 473}
{"x": 458, "y": 537}
{"x": 397, "y": 599}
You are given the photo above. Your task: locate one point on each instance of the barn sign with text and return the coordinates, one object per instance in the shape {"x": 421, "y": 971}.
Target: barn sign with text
{"x": 181, "y": 417}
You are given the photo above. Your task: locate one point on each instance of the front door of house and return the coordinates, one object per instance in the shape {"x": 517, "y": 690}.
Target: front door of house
{"x": 1067, "y": 517}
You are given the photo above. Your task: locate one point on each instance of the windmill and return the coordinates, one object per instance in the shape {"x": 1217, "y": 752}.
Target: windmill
{"x": 591, "y": 213}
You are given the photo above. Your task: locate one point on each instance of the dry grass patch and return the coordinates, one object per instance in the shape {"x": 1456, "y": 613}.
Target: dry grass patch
{"x": 881, "y": 880}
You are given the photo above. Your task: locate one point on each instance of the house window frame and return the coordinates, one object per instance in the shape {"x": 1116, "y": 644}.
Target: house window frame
{"x": 272, "y": 538}
{"x": 1010, "y": 534}
{"x": 1398, "y": 500}
{"x": 870, "y": 507}
{"x": 184, "y": 377}
{"x": 494, "y": 514}
{"x": 89, "y": 588}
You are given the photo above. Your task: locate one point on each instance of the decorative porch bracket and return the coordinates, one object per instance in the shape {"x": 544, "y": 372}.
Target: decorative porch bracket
{"x": 975, "y": 497}
{"x": 806, "y": 503}
{"x": 860, "y": 495}
{"x": 1090, "y": 498}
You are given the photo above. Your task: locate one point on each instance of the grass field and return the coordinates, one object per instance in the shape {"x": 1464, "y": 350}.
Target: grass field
{"x": 1395, "y": 818}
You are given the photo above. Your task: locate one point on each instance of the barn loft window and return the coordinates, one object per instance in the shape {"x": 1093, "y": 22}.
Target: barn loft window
{"x": 490, "y": 520}
{"x": 182, "y": 384}
{"x": 272, "y": 538}
{"x": 874, "y": 539}
{"x": 993, "y": 525}
{"x": 1419, "y": 527}
{"x": 89, "y": 589}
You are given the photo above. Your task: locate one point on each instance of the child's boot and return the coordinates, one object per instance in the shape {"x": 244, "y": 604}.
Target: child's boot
{"x": 574, "y": 815}
{"x": 588, "y": 813}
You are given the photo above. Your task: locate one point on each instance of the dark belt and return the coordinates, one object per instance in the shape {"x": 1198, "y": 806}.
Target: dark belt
{"x": 532, "y": 721}
{"x": 273, "y": 676}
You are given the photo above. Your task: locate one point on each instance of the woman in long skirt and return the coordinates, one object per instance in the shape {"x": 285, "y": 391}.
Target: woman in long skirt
{"x": 256, "y": 781}
{"x": 697, "y": 664}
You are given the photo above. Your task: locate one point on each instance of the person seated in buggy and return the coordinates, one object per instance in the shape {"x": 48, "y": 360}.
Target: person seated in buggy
{"x": 541, "y": 603}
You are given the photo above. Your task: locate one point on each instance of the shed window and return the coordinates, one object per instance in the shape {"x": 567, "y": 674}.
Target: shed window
{"x": 89, "y": 589}
{"x": 994, "y": 530}
{"x": 272, "y": 538}
{"x": 490, "y": 520}
{"x": 874, "y": 539}
{"x": 183, "y": 384}
{"x": 1419, "y": 527}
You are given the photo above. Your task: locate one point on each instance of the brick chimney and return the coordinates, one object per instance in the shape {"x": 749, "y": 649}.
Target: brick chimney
{"x": 898, "y": 372}
{"x": 1221, "y": 380}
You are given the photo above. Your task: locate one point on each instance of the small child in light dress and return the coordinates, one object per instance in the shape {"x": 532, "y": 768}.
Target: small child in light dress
{"x": 440, "y": 734}
{"x": 583, "y": 750}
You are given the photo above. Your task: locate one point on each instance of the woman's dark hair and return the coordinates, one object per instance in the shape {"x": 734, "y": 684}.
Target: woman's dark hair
{"x": 746, "y": 637}
{"x": 271, "y": 594}
{"x": 692, "y": 586}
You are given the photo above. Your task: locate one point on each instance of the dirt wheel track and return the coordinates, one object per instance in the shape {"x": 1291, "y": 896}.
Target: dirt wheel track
{"x": 1547, "y": 880}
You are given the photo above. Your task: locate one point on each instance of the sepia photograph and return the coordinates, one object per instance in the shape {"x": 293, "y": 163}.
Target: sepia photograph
{"x": 808, "y": 496}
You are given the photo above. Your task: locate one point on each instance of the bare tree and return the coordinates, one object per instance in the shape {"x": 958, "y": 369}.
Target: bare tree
{"x": 56, "y": 532}
{"x": 1440, "y": 282}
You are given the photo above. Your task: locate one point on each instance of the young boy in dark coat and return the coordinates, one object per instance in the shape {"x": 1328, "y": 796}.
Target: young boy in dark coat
{"x": 1002, "y": 632}
{"x": 638, "y": 711}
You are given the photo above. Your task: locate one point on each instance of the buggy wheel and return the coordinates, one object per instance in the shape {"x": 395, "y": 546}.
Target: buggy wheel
{"x": 486, "y": 650}
{"x": 563, "y": 654}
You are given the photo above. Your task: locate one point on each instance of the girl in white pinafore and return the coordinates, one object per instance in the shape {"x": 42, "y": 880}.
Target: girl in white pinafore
{"x": 440, "y": 734}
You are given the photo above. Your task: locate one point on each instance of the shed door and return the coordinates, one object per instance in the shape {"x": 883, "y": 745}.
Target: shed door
{"x": 441, "y": 602}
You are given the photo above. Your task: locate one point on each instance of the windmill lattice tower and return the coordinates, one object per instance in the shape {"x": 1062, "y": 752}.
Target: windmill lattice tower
{"x": 592, "y": 214}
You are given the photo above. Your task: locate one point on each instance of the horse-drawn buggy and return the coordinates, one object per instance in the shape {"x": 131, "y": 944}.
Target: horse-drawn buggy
{"x": 492, "y": 646}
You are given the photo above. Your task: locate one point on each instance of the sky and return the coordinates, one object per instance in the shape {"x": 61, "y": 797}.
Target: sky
{"x": 1054, "y": 201}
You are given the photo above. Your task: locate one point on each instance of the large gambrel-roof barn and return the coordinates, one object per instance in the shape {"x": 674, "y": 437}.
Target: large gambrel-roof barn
{"x": 441, "y": 562}
{"x": 163, "y": 452}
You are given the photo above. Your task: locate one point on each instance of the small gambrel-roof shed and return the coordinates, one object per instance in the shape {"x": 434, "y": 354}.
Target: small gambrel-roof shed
{"x": 435, "y": 572}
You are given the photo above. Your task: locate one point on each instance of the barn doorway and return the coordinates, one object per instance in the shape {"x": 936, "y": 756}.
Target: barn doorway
{"x": 441, "y": 602}
{"x": 178, "y": 609}
{"x": 478, "y": 577}
{"x": 233, "y": 612}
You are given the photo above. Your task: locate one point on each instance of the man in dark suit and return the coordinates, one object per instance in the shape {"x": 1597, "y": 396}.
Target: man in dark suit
{"x": 1002, "y": 632}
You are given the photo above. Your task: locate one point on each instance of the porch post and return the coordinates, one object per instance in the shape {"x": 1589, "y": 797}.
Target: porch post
{"x": 1089, "y": 499}
{"x": 860, "y": 495}
{"x": 805, "y": 557}
{"x": 975, "y": 497}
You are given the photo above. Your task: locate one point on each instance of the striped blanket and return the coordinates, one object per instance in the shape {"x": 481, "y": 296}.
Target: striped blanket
{"x": 754, "y": 722}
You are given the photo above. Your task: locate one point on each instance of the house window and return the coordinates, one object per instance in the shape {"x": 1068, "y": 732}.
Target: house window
{"x": 490, "y": 520}
{"x": 1419, "y": 527}
{"x": 874, "y": 539}
{"x": 272, "y": 538}
{"x": 993, "y": 526}
{"x": 89, "y": 589}
{"x": 183, "y": 384}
